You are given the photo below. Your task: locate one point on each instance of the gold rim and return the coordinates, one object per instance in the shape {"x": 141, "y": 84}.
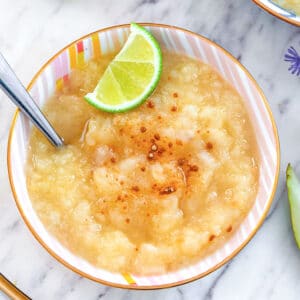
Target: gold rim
{"x": 152, "y": 287}
{"x": 9, "y": 289}
{"x": 276, "y": 14}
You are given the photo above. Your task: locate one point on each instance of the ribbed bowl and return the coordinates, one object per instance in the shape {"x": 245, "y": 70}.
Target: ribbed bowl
{"x": 55, "y": 73}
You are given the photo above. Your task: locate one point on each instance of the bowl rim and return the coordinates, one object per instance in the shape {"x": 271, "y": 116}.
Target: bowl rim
{"x": 276, "y": 14}
{"x": 176, "y": 283}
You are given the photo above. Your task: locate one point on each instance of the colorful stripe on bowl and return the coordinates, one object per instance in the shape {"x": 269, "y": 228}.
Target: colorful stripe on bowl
{"x": 56, "y": 74}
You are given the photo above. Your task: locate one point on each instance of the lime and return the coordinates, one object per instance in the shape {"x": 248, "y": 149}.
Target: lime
{"x": 132, "y": 75}
{"x": 293, "y": 188}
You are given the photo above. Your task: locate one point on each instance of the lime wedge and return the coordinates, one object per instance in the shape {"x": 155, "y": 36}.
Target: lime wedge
{"x": 132, "y": 75}
{"x": 293, "y": 188}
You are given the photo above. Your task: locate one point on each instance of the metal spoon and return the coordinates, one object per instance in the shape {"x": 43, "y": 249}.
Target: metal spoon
{"x": 14, "y": 89}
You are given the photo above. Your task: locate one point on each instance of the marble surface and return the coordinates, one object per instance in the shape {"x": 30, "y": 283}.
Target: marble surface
{"x": 32, "y": 31}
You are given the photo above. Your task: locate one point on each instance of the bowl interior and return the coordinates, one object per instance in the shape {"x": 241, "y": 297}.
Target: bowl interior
{"x": 54, "y": 75}
{"x": 279, "y": 11}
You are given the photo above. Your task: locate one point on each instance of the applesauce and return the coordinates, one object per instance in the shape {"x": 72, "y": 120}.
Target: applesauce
{"x": 153, "y": 189}
{"x": 293, "y": 5}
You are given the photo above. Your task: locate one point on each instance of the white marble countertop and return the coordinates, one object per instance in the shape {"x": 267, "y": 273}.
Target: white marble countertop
{"x": 32, "y": 31}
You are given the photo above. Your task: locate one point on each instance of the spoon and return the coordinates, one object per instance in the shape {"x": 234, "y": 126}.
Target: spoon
{"x": 14, "y": 89}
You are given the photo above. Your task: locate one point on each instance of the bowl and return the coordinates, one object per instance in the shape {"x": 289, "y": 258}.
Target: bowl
{"x": 53, "y": 75}
{"x": 279, "y": 12}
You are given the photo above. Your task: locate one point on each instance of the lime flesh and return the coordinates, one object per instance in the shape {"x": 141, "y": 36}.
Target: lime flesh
{"x": 132, "y": 75}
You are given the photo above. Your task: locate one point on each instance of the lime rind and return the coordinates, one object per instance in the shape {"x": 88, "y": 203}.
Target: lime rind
{"x": 92, "y": 98}
{"x": 293, "y": 188}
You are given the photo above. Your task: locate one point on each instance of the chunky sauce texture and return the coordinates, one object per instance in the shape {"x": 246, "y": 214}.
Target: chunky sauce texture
{"x": 153, "y": 189}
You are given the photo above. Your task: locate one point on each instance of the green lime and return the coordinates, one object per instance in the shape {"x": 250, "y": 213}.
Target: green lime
{"x": 132, "y": 75}
{"x": 293, "y": 188}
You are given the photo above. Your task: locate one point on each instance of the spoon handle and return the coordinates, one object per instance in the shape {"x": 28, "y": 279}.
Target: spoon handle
{"x": 11, "y": 290}
{"x": 14, "y": 89}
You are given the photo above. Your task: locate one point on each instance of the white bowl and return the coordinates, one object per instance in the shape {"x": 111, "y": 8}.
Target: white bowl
{"x": 279, "y": 12}
{"x": 53, "y": 75}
